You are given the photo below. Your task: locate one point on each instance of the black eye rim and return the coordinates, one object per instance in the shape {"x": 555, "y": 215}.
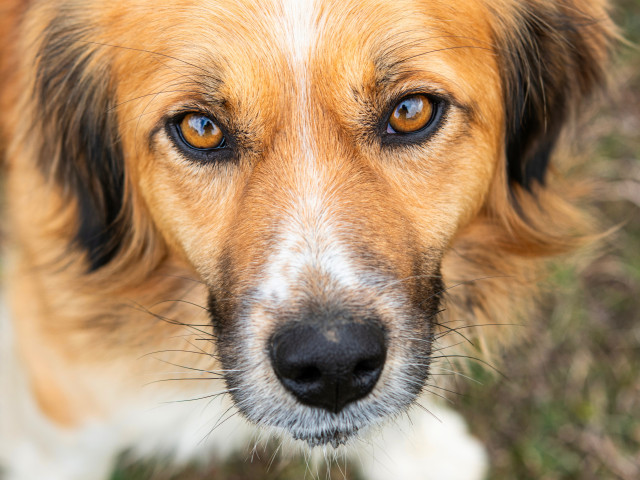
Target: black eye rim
{"x": 221, "y": 152}
{"x": 440, "y": 107}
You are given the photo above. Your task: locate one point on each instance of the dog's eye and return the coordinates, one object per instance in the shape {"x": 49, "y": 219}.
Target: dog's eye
{"x": 411, "y": 114}
{"x": 199, "y": 131}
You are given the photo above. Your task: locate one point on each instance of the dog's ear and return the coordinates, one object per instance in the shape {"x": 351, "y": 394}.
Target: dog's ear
{"x": 553, "y": 55}
{"x": 80, "y": 147}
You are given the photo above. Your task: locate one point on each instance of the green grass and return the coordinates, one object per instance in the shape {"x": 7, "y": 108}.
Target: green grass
{"x": 570, "y": 405}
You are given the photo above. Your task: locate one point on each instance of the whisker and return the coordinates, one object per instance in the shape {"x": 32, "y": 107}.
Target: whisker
{"x": 200, "y": 349}
{"x": 212, "y": 372}
{"x": 212, "y": 395}
{"x": 431, "y": 385}
{"x": 483, "y": 325}
{"x": 425, "y": 409}
{"x": 175, "y": 350}
{"x": 152, "y": 94}
{"x": 151, "y": 52}
{"x": 454, "y": 330}
{"x": 444, "y": 49}
{"x": 466, "y": 282}
{"x": 479, "y": 360}
{"x": 180, "y": 300}
{"x": 170, "y": 321}
{"x": 273, "y": 456}
{"x": 218, "y": 423}
{"x": 452, "y": 372}
{"x": 401, "y": 280}
{"x": 162, "y": 380}
{"x": 446, "y": 399}
{"x": 440, "y": 349}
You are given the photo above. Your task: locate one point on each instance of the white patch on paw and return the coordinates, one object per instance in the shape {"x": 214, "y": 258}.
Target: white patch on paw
{"x": 425, "y": 448}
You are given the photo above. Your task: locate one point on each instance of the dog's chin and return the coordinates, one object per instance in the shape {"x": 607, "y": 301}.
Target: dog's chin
{"x": 335, "y": 438}
{"x": 311, "y": 428}
{"x": 321, "y": 436}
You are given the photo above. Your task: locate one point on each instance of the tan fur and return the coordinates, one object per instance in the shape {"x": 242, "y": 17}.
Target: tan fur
{"x": 85, "y": 337}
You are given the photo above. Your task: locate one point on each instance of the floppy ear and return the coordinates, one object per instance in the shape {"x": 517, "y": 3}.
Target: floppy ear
{"x": 553, "y": 55}
{"x": 80, "y": 147}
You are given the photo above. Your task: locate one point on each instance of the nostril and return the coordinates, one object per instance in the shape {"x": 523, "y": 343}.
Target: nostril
{"x": 367, "y": 367}
{"x": 308, "y": 374}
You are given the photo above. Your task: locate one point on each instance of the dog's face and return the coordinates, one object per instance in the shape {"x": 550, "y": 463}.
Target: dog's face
{"x": 313, "y": 162}
{"x": 270, "y": 160}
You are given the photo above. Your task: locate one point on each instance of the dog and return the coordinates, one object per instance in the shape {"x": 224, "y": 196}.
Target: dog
{"x": 280, "y": 216}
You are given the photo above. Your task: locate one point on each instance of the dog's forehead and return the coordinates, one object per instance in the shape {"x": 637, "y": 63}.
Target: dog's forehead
{"x": 255, "y": 61}
{"x": 277, "y": 39}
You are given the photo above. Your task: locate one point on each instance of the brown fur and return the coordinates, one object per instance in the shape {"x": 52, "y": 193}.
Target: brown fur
{"x": 107, "y": 223}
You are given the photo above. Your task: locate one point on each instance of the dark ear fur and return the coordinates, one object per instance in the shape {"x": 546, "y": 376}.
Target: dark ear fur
{"x": 553, "y": 55}
{"x": 80, "y": 146}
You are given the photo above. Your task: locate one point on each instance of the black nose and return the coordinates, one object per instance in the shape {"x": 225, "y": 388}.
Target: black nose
{"x": 329, "y": 366}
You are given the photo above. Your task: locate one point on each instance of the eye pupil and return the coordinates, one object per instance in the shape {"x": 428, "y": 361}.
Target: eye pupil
{"x": 411, "y": 114}
{"x": 199, "y": 131}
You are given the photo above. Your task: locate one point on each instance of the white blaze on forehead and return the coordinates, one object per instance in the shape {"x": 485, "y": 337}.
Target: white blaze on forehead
{"x": 307, "y": 234}
{"x": 299, "y": 37}
{"x": 299, "y": 28}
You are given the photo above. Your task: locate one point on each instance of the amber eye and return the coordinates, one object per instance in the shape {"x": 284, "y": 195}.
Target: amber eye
{"x": 410, "y": 115}
{"x": 200, "y": 132}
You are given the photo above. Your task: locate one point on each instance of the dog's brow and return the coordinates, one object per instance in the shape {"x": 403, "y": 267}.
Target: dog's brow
{"x": 388, "y": 76}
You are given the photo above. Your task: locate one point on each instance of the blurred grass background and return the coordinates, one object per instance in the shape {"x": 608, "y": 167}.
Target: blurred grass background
{"x": 570, "y": 405}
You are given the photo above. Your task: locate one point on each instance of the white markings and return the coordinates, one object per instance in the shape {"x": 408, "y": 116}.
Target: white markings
{"x": 299, "y": 38}
{"x": 435, "y": 443}
{"x": 299, "y": 29}
{"x": 308, "y": 248}
{"x": 308, "y": 242}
